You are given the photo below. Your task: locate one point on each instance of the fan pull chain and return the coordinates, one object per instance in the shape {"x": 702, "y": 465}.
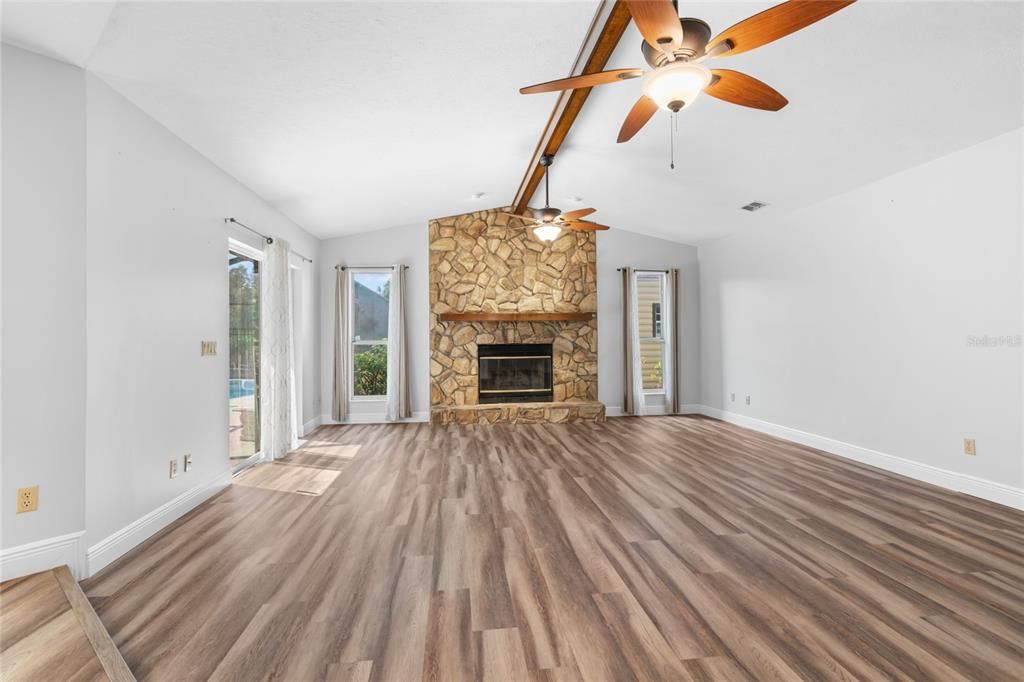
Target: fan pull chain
{"x": 672, "y": 141}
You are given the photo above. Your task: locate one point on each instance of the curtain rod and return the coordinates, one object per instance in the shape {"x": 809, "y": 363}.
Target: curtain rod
{"x": 640, "y": 270}
{"x": 368, "y": 267}
{"x": 269, "y": 240}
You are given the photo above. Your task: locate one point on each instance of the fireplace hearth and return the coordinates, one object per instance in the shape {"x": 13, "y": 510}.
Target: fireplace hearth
{"x": 515, "y": 373}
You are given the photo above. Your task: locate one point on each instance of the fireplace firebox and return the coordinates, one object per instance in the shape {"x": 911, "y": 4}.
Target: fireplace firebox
{"x": 515, "y": 373}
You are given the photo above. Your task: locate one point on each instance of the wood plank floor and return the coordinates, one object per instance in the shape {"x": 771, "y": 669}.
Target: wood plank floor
{"x": 48, "y": 631}
{"x": 674, "y": 548}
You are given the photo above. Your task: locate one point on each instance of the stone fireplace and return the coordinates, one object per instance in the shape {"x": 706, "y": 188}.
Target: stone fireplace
{"x": 513, "y": 323}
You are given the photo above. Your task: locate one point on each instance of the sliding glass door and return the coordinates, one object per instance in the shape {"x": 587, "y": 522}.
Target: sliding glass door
{"x": 244, "y": 354}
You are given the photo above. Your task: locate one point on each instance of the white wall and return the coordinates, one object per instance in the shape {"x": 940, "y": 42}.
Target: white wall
{"x": 618, "y": 248}
{"x": 43, "y": 290}
{"x": 406, "y": 245}
{"x": 157, "y": 286}
{"x": 114, "y": 268}
{"x": 850, "y": 319}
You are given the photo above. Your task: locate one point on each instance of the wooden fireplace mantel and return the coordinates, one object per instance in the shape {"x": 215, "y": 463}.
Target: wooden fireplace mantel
{"x": 515, "y": 317}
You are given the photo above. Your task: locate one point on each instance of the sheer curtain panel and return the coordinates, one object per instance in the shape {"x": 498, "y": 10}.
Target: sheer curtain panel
{"x": 633, "y": 384}
{"x": 397, "y": 405}
{"x": 277, "y": 402}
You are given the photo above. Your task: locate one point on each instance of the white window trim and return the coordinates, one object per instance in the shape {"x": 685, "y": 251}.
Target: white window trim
{"x": 656, "y": 339}
{"x": 245, "y": 249}
{"x": 351, "y": 273}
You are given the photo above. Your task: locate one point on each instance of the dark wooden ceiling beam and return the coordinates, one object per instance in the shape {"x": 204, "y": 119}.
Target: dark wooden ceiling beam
{"x": 607, "y": 28}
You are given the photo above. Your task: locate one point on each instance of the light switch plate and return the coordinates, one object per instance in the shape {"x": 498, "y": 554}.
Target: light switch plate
{"x": 208, "y": 348}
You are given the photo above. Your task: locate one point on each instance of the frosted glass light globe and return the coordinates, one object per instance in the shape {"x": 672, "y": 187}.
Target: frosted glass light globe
{"x": 547, "y": 232}
{"x": 676, "y": 84}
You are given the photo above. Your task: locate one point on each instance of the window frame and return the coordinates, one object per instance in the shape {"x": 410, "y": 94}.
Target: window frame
{"x": 351, "y": 274}
{"x": 656, "y": 325}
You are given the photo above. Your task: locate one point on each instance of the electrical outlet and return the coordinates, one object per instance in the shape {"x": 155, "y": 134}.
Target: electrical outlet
{"x": 748, "y": 400}
{"x": 208, "y": 348}
{"x": 28, "y": 499}
{"x": 173, "y": 470}
{"x": 732, "y": 397}
{"x": 188, "y": 463}
{"x": 969, "y": 447}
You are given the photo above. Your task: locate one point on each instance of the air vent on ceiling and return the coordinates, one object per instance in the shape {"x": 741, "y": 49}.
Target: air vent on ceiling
{"x": 754, "y": 206}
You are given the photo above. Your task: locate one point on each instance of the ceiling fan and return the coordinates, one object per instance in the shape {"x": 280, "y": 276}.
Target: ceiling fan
{"x": 548, "y": 222}
{"x": 675, "y": 48}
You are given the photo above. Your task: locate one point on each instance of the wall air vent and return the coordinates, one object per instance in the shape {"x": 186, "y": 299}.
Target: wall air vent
{"x": 754, "y": 206}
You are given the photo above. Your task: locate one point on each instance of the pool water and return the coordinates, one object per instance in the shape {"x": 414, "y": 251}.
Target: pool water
{"x": 240, "y": 388}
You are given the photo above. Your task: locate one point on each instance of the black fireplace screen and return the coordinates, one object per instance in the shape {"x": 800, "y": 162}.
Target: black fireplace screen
{"x": 515, "y": 372}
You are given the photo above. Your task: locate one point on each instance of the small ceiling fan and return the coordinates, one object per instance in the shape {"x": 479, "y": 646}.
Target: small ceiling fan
{"x": 548, "y": 222}
{"x": 675, "y": 48}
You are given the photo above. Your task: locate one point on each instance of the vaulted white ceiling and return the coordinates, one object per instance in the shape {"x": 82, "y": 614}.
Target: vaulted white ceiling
{"x": 354, "y": 116}
{"x": 877, "y": 88}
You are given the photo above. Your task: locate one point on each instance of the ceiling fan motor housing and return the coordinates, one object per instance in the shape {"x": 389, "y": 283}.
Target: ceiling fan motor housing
{"x": 696, "y": 34}
{"x": 547, "y": 214}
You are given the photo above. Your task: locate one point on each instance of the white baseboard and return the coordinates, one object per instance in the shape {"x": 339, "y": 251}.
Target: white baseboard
{"x": 376, "y": 418}
{"x": 311, "y": 425}
{"x": 653, "y": 410}
{"x": 43, "y": 555}
{"x": 952, "y": 480}
{"x": 121, "y": 542}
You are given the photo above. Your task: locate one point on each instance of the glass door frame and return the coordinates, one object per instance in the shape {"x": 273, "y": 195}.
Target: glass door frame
{"x": 243, "y": 249}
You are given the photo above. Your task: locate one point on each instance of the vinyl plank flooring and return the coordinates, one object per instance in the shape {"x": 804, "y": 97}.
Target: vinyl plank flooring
{"x": 49, "y": 631}
{"x": 674, "y": 548}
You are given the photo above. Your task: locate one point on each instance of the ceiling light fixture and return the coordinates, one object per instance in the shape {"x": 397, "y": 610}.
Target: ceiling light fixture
{"x": 547, "y": 232}
{"x": 477, "y": 196}
{"x": 677, "y": 84}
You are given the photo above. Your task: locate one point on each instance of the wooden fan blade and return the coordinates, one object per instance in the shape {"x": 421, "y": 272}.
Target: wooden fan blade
{"x": 658, "y": 23}
{"x": 586, "y": 81}
{"x": 578, "y": 213}
{"x": 747, "y": 91}
{"x": 585, "y": 226}
{"x": 637, "y": 117}
{"x": 772, "y": 24}
{"x": 517, "y": 216}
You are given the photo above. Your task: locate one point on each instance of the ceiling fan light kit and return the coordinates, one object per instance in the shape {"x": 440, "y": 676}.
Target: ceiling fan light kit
{"x": 677, "y": 84}
{"x": 547, "y": 232}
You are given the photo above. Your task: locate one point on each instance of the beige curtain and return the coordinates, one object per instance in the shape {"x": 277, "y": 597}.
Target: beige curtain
{"x": 342, "y": 338}
{"x": 673, "y": 387}
{"x": 632, "y": 380}
{"x": 397, "y": 405}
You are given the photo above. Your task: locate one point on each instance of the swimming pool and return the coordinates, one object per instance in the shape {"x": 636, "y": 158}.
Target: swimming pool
{"x": 240, "y": 388}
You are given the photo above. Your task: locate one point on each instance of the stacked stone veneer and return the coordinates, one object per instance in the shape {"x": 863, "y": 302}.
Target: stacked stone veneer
{"x": 487, "y": 262}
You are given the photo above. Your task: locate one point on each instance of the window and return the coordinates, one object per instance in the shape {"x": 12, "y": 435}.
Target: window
{"x": 243, "y": 355}
{"x": 370, "y": 297}
{"x": 650, "y": 289}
